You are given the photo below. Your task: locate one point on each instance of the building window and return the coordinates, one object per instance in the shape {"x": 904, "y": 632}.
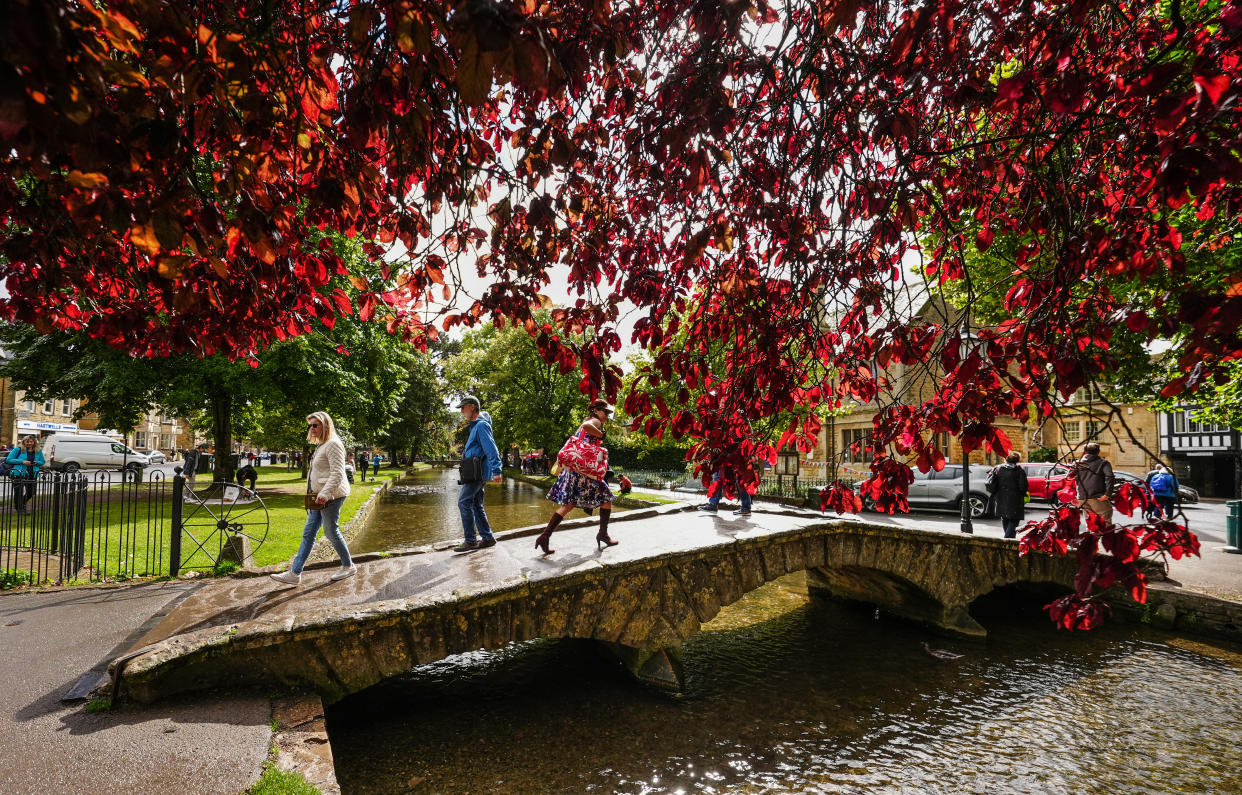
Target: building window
{"x": 49, "y": 407}
{"x": 66, "y": 408}
{"x": 1072, "y": 432}
{"x": 29, "y": 404}
{"x": 140, "y": 439}
{"x": 1093, "y": 429}
{"x": 1184, "y": 422}
{"x": 852, "y": 436}
{"x": 167, "y": 419}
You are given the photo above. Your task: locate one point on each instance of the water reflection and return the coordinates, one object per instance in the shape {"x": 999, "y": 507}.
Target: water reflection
{"x": 422, "y": 509}
{"x": 790, "y": 695}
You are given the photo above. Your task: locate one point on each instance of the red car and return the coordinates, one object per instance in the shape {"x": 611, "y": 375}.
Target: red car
{"x": 1045, "y": 480}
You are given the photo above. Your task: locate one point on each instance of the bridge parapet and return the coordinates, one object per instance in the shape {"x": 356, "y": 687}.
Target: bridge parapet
{"x": 642, "y": 609}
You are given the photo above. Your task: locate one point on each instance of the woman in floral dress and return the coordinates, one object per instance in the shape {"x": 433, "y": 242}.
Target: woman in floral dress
{"x": 574, "y": 490}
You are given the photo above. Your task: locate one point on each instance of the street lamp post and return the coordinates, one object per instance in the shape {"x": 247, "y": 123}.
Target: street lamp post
{"x": 967, "y": 524}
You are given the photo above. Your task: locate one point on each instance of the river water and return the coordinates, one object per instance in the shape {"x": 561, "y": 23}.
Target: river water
{"x": 421, "y": 508}
{"x": 788, "y": 693}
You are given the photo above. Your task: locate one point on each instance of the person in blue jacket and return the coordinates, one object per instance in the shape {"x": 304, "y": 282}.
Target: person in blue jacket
{"x": 479, "y": 444}
{"x": 24, "y": 463}
{"x": 1164, "y": 488}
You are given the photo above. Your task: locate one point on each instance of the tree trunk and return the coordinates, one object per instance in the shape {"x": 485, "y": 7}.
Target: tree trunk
{"x": 222, "y": 432}
{"x": 306, "y": 455}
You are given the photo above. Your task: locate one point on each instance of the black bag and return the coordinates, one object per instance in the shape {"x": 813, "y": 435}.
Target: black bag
{"x": 471, "y": 470}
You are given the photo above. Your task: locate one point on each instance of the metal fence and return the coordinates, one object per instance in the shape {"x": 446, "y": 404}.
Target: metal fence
{"x": 65, "y": 527}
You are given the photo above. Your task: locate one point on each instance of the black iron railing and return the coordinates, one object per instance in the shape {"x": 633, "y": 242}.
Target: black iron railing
{"x": 106, "y": 526}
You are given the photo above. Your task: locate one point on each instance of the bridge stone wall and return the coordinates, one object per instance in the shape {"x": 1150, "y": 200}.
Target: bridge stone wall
{"x": 642, "y": 609}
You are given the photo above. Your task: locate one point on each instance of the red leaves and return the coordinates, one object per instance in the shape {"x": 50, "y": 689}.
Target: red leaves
{"x": 888, "y": 488}
{"x": 839, "y": 498}
{"x": 1061, "y": 533}
{"x": 1073, "y": 612}
{"x": 1131, "y": 497}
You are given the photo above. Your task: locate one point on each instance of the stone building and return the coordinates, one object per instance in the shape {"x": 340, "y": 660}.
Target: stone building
{"x": 156, "y": 430}
{"x": 1128, "y": 434}
{"x": 22, "y": 416}
{"x": 911, "y": 384}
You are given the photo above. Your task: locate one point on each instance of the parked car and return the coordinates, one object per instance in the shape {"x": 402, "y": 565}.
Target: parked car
{"x": 1044, "y": 480}
{"x": 70, "y": 452}
{"x": 155, "y": 457}
{"x": 943, "y": 489}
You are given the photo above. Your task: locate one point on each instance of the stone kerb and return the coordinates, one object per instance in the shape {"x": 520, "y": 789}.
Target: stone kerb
{"x": 649, "y": 604}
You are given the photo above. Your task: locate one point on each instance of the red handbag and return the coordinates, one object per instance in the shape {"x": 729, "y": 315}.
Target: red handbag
{"x": 584, "y": 457}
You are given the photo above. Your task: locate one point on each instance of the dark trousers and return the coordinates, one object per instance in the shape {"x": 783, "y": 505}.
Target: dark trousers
{"x": 1010, "y": 527}
{"x": 23, "y": 491}
{"x": 1168, "y": 506}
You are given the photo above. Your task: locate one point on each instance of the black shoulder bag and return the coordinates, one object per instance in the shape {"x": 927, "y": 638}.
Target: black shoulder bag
{"x": 471, "y": 470}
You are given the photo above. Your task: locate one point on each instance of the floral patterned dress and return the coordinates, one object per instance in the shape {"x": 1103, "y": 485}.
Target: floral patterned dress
{"x": 578, "y": 490}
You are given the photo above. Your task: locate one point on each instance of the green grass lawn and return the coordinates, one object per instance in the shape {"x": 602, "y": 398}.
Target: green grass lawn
{"x": 138, "y": 532}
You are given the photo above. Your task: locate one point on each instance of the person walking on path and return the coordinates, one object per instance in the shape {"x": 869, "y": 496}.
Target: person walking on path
{"x": 1009, "y": 488}
{"x": 575, "y": 490}
{"x": 1094, "y": 478}
{"x": 190, "y": 468}
{"x": 376, "y": 460}
{"x": 743, "y": 496}
{"x": 1164, "y": 488}
{"x": 325, "y": 479}
{"x": 24, "y": 463}
{"x": 479, "y": 445}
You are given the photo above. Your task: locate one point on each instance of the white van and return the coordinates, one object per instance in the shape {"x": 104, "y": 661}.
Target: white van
{"x": 73, "y": 451}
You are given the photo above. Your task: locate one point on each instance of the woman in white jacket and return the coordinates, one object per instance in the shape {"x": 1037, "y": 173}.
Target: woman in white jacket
{"x": 326, "y": 480}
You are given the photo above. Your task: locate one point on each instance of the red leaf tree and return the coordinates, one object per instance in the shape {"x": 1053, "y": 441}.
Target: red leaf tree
{"x": 163, "y": 162}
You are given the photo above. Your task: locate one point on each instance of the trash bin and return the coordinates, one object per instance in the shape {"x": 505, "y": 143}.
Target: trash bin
{"x": 1233, "y": 543}
{"x": 205, "y": 461}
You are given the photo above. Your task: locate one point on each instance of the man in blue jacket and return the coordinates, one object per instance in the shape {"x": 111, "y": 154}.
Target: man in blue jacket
{"x": 479, "y": 444}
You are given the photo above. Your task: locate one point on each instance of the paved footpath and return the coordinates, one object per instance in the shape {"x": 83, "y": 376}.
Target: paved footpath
{"x": 48, "y": 641}
{"x": 217, "y": 743}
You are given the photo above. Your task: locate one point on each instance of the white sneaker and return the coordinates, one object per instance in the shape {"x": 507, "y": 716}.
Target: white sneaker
{"x": 287, "y": 577}
{"x": 344, "y": 571}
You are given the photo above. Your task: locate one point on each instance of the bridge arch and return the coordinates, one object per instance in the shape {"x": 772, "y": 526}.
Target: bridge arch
{"x": 640, "y": 609}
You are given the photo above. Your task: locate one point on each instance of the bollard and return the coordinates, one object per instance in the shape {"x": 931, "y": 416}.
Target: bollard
{"x": 1233, "y": 543}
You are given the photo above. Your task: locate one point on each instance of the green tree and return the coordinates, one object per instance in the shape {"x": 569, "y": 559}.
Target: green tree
{"x": 422, "y": 422}
{"x": 532, "y": 403}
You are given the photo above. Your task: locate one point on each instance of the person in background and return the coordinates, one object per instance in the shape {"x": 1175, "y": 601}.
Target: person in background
{"x": 1008, "y": 485}
{"x": 326, "y": 481}
{"x": 349, "y": 467}
{"x": 376, "y": 460}
{"x": 24, "y": 463}
{"x": 1094, "y": 478}
{"x": 1164, "y": 488}
{"x": 246, "y": 473}
{"x": 189, "y": 469}
{"x": 626, "y": 485}
{"x": 575, "y": 490}
{"x": 743, "y": 496}
{"x": 479, "y": 444}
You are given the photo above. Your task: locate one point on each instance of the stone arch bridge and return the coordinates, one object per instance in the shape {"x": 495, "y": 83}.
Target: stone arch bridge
{"x": 672, "y": 572}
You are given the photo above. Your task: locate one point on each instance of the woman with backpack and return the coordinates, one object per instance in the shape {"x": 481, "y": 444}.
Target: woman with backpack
{"x": 1164, "y": 488}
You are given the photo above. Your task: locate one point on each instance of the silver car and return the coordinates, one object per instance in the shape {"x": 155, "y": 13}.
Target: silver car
{"x": 155, "y": 457}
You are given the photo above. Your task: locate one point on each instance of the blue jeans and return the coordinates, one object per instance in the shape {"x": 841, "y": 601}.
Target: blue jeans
{"x": 470, "y": 505}
{"x": 742, "y": 494}
{"x": 330, "y": 517}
